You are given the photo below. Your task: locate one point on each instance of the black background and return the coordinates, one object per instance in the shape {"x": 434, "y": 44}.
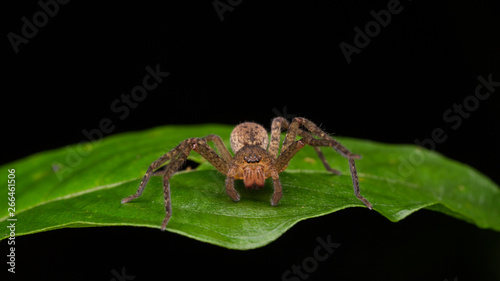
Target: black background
{"x": 260, "y": 60}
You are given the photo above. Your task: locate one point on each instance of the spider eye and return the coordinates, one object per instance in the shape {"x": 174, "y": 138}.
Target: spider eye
{"x": 253, "y": 158}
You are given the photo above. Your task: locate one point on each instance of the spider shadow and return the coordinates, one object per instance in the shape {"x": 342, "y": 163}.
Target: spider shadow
{"x": 255, "y": 195}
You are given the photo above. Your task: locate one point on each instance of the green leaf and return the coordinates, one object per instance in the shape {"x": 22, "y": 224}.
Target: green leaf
{"x": 81, "y": 186}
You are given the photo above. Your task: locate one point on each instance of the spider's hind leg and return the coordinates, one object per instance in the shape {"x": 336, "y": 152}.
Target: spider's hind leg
{"x": 325, "y": 163}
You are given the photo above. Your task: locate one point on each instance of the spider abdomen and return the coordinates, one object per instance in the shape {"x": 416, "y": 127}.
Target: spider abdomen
{"x": 248, "y": 133}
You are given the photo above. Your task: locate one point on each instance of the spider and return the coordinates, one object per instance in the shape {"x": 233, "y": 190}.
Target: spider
{"x": 255, "y": 158}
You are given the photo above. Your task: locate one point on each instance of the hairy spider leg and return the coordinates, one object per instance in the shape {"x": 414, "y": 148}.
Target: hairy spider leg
{"x": 177, "y": 156}
{"x": 290, "y": 147}
{"x": 230, "y": 185}
{"x": 355, "y": 183}
{"x": 151, "y": 169}
{"x": 315, "y": 130}
{"x": 278, "y": 190}
{"x": 219, "y": 144}
{"x": 172, "y": 167}
{"x": 276, "y": 129}
{"x": 325, "y": 163}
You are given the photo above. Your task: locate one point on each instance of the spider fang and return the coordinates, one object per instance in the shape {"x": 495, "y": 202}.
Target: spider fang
{"x": 254, "y": 177}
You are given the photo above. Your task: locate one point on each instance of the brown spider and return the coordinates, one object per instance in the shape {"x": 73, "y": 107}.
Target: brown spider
{"x": 253, "y": 161}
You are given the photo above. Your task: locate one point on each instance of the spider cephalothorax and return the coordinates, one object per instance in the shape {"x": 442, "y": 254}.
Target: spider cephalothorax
{"x": 251, "y": 164}
{"x": 255, "y": 157}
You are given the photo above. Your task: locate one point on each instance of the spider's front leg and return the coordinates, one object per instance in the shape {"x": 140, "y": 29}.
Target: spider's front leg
{"x": 230, "y": 185}
{"x": 280, "y": 123}
{"x": 177, "y": 156}
{"x": 172, "y": 154}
